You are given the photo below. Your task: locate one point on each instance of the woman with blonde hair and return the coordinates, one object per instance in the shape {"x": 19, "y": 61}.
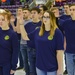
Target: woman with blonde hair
{"x": 49, "y": 49}
{"x": 8, "y": 46}
{"x": 48, "y": 41}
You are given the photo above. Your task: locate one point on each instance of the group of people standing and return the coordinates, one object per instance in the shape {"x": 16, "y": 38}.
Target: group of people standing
{"x": 41, "y": 36}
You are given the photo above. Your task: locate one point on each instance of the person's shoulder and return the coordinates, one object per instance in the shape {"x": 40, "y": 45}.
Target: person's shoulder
{"x": 38, "y": 29}
{"x": 62, "y": 16}
{"x": 65, "y": 17}
{"x": 68, "y": 21}
{"x": 58, "y": 31}
{"x": 40, "y": 22}
{"x": 12, "y": 32}
{"x": 28, "y": 24}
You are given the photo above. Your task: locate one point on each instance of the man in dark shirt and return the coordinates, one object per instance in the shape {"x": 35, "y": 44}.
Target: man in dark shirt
{"x": 69, "y": 30}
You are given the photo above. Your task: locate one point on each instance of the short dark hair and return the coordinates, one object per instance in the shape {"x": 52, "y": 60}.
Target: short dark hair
{"x": 44, "y": 7}
{"x": 72, "y": 5}
{"x": 26, "y": 5}
{"x": 67, "y": 5}
{"x": 54, "y": 8}
{"x": 19, "y": 8}
{"x": 36, "y": 9}
{"x": 26, "y": 9}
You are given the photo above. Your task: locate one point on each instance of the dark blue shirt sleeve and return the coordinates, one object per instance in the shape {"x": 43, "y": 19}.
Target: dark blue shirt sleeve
{"x": 59, "y": 40}
{"x": 15, "y": 49}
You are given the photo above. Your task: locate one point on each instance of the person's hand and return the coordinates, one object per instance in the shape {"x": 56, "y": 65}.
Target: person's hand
{"x": 59, "y": 72}
{"x": 20, "y": 18}
{"x": 12, "y": 71}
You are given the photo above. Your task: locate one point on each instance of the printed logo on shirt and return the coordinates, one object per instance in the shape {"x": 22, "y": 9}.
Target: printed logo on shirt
{"x": 6, "y": 37}
{"x": 50, "y": 37}
{"x": 37, "y": 27}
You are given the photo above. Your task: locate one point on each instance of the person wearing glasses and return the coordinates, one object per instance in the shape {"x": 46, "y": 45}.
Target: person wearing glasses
{"x": 49, "y": 50}
{"x": 9, "y": 46}
{"x": 69, "y": 31}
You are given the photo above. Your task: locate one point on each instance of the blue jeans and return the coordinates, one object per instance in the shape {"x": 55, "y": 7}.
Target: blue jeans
{"x": 65, "y": 61}
{"x": 70, "y": 61}
{"x": 32, "y": 60}
{"x": 21, "y": 60}
{"x": 20, "y": 57}
{"x": 41, "y": 72}
{"x": 23, "y": 49}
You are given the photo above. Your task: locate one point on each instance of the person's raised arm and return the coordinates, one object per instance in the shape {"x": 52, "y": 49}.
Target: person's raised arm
{"x": 22, "y": 29}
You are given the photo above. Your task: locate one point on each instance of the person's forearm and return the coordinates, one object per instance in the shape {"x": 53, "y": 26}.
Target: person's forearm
{"x": 64, "y": 43}
{"x": 18, "y": 28}
{"x": 23, "y": 32}
{"x": 60, "y": 61}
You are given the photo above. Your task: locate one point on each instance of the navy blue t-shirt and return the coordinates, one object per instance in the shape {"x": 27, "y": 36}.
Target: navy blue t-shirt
{"x": 59, "y": 22}
{"x": 9, "y": 47}
{"x": 30, "y": 29}
{"x": 46, "y": 50}
{"x": 65, "y": 17}
{"x": 69, "y": 30}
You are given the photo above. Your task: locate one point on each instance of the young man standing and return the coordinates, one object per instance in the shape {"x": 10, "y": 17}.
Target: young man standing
{"x": 30, "y": 28}
{"x": 23, "y": 43}
{"x": 69, "y": 31}
{"x": 66, "y": 14}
